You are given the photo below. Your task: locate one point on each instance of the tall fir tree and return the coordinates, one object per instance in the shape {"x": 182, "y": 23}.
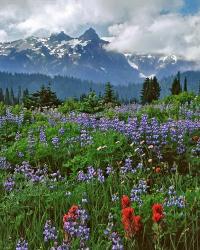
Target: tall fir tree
{"x": 176, "y": 85}
{"x": 199, "y": 88}
{"x": 1, "y": 95}
{"x": 144, "y": 91}
{"x": 155, "y": 88}
{"x": 12, "y": 97}
{"x": 109, "y": 96}
{"x": 150, "y": 90}
{"x": 7, "y": 97}
{"x": 19, "y": 95}
{"x": 25, "y": 93}
{"x": 44, "y": 97}
{"x": 185, "y": 85}
{"x": 179, "y": 77}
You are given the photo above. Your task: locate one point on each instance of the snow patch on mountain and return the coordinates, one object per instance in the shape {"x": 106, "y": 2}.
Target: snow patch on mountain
{"x": 133, "y": 65}
{"x": 75, "y": 42}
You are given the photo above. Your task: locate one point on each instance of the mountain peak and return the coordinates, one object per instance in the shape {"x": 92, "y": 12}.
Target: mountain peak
{"x": 89, "y": 34}
{"x": 59, "y": 37}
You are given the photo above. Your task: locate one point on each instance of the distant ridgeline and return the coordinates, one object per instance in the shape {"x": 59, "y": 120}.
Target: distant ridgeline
{"x": 66, "y": 87}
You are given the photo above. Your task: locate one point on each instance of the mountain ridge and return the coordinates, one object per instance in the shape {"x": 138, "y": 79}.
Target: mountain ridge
{"x": 85, "y": 57}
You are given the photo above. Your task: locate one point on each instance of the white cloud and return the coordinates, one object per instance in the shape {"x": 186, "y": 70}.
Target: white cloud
{"x": 135, "y": 25}
{"x": 3, "y": 35}
{"x": 28, "y": 16}
{"x": 170, "y": 33}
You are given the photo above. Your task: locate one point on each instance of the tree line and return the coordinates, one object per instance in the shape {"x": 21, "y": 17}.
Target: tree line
{"x": 8, "y": 97}
{"x": 45, "y": 96}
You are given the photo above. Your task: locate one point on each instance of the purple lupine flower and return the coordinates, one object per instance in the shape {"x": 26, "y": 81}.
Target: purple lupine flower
{"x": 42, "y": 136}
{"x": 22, "y": 245}
{"x": 137, "y": 191}
{"x": 61, "y": 131}
{"x": 171, "y": 191}
{"x": 17, "y": 136}
{"x": 55, "y": 141}
{"x": 127, "y": 168}
{"x": 91, "y": 173}
{"x": 81, "y": 176}
{"x": 4, "y": 164}
{"x": 109, "y": 170}
{"x": 115, "y": 197}
{"x": 78, "y": 228}
{"x": 20, "y": 154}
{"x": 100, "y": 175}
{"x": 139, "y": 166}
{"x": 9, "y": 184}
{"x": 56, "y": 176}
{"x": 30, "y": 174}
{"x": 113, "y": 236}
{"x": 173, "y": 200}
{"x": 49, "y": 232}
{"x": 64, "y": 246}
{"x": 116, "y": 241}
{"x": 85, "y": 138}
{"x": 196, "y": 150}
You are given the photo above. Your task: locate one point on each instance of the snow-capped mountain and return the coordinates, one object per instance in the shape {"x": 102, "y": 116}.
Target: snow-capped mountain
{"x": 85, "y": 57}
{"x": 160, "y": 65}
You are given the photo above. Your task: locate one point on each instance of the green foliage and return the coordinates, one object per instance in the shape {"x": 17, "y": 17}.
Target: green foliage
{"x": 107, "y": 148}
{"x": 69, "y": 105}
{"x": 153, "y": 111}
{"x": 91, "y": 104}
{"x": 2, "y": 108}
{"x": 182, "y": 98}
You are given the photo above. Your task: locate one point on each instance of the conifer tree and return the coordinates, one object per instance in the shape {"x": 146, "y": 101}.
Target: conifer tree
{"x": 144, "y": 91}
{"x": 179, "y": 77}
{"x": 1, "y": 95}
{"x": 25, "y": 93}
{"x": 176, "y": 85}
{"x": 12, "y": 97}
{"x": 19, "y": 95}
{"x": 44, "y": 97}
{"x": 155, "y": 88}
{"x": 150, "y": 91}
{"x": 185, "y": 85}
{"x": 7, "y": 97}
{"x": 199, "y": 88}
{"x": 109, "y": 96}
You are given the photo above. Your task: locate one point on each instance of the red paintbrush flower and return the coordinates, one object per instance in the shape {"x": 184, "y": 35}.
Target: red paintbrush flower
{"x": 71, "y": 215}
{"x": 125, "y": 201}
{"x": 137, "y": 223}
{"x": 157, "y": 217}
{"x": 73, "y": 209}
{"x": 157, "y": 208}
{"x": 127, "y": 212}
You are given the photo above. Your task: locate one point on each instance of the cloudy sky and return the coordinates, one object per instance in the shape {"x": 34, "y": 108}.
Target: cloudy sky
{"x": 169, "y": 26}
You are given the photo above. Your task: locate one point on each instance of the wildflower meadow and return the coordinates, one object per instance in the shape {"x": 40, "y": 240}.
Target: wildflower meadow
{"x": 125, "y": 177}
